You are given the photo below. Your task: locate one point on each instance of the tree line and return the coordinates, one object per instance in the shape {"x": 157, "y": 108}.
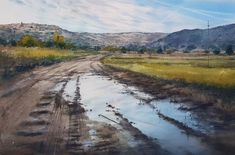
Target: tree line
{"x": 57, "y": 41}
{"x": 229, "y": 50}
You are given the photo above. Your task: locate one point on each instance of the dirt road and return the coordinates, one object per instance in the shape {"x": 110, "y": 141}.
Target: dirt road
{"x": 77, "y": 107}
{"x": 37, "y": 120}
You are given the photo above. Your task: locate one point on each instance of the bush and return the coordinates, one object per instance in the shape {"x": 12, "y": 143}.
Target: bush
{"x": 191, "y": 47}
{"x": 6, "y": 64}
{"x": 48, "y": 44}
{"x": 207, "y": 51}
{"x": 123, "y": 50}
{"x": 159, "y": 50}
{"x": 229, "y": 50}
{"x": 142, "y": 50}
{"x": 216, "y": 51}
{"x": 170, "y": 51}
{"x": 58, "y": 40}
{"x": 12, "y": 42}
{"x": 28, "y": 41}
{"x": 3, "y": 42}
{"x": 186, "y": 51}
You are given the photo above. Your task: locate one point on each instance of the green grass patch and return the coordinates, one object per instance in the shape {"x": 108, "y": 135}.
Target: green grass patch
{"x": 219, "y": 73}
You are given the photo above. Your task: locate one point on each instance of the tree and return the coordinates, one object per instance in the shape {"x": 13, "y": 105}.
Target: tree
{"x": 191, "y": 47}
{"x": 48, "y": 44}
{"x": 97, "y": 48}
{"x": 159, "y": 50}
{"x": 123, "y": 50}
{"x": 142, "y": 50}
{"x": 58, "y": 40}
{"x": 229, "y": 50}
{"x": 12, "y": 42}
{"x": 3, "y": 42}
{"x": 170, "y": 51}
{"x": 216, "y": 51}
{"x": 28, "y": 41}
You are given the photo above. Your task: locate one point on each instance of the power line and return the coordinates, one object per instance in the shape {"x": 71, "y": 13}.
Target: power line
{"x": 208, "y": 42}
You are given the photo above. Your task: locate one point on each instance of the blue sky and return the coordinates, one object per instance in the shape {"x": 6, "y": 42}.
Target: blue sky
{"x": 101, "y": 16}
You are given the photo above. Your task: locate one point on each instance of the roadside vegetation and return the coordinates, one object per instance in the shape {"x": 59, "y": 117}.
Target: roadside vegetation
{"x": 18, "y": 59}
{"x": 29, "y": 52}
{"x": 217, "y": 71}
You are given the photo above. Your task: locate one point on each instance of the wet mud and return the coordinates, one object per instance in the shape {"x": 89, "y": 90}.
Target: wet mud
{"x": 98, "y": 111}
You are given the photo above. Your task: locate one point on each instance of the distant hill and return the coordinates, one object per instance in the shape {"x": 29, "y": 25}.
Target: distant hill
{"x": 218, "y": 37}
{"x": 186, "y": 39}
{"x": 45, "y": 32}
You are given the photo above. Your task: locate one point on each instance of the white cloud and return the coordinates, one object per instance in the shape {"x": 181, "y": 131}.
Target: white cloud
{"x": 99, "y": 15}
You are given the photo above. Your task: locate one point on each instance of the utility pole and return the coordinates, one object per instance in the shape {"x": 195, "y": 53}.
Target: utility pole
{"x": 208, "y": 42}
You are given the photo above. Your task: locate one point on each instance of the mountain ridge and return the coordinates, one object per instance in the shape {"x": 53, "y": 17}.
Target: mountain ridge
{"x": 219, "y": 37}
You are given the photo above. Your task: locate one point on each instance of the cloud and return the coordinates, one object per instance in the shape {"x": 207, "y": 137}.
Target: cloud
{"x": 21, "y": 2}
{"x": 107, "y": 15}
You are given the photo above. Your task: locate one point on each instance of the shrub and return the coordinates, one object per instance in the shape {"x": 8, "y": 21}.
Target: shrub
{"x": 141, "y": 50}
{"x": 28, "y": 41}
{"x": 12, "y": 42}
{"x": 191, "y": 47}
{"x": 229, "y": 50}
{"x": 6, "y": 64}
{"x": 207, "y": 51}
{"x": 159, "y": 50}
{"x": 58, "y": 40}
{"x": 48, "y": 44}
{"x": 216, "y": 51}
{"x": 123, "y": 50}
{"x": 3, "y": 42}
{"x": 170, "y": 51}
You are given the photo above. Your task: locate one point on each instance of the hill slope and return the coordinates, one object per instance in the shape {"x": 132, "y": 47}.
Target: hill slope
{"x": 220, "y": 37}
{"x": 45, "y": 32}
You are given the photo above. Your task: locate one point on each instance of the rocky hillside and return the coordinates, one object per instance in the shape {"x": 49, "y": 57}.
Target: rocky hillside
{"x": 118, "y": 39}
{"x": 45, "y": 32}
{"x": 218, "y": 37}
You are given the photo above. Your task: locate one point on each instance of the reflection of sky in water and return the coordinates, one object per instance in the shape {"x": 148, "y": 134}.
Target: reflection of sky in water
{"x": 70, "y": 89}
{"x": 172, "y": 110}
{"x": 97, "y": 91}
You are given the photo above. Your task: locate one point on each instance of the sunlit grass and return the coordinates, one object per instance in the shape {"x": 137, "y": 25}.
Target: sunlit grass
{"x": 219, "y": 73}
{"x": 13, "y": 60}
{"x": 43, "y": 53}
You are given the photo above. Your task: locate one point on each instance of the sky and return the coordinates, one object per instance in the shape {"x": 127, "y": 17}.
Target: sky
{"x": 108, "y": 16}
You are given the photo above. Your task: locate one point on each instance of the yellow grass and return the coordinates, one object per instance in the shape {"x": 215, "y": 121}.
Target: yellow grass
{"x": 41, "y": 53}
{"x": 20, "y": 59}
{"x": 220, "y": 73}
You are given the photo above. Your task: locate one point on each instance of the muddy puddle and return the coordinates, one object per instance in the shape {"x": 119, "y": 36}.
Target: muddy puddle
{"x": 105, "y": 100}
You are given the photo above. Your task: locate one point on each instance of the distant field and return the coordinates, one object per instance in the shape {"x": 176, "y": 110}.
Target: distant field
{"x": 20, "y": 59}
{"x": 219, "y": 72}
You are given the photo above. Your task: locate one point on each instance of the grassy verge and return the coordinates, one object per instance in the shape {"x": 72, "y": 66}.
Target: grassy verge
{"x": 13, "y": 60}
{"x": 219, "y": 73}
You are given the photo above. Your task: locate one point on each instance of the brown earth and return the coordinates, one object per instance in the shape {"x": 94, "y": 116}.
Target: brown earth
{"x": 34, "y": 120}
